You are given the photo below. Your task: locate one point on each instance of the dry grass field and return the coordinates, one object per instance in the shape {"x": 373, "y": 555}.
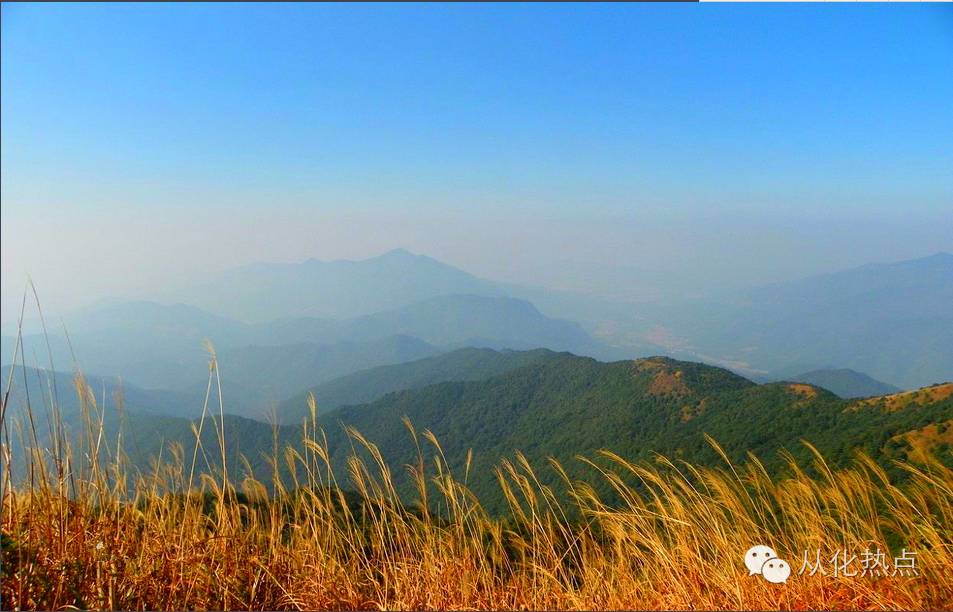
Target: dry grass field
{"x": 85, "y": 531}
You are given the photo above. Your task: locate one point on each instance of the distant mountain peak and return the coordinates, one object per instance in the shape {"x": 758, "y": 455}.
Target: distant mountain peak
{"x": 336, "y": 289}
{"x": 941, "y": 259}
{"x": 398, "y": 253}
{"x": 844, "y": 382}
{"x": 655, "y": 363}
{"x": 402, "y": 256}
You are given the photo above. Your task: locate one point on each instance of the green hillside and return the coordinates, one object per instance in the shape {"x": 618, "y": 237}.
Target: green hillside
{"x": 256, "y": 378}
{"x": 561, "y": 405}
{"x": 368, "y": 385}
{"x": 568, "y": 405}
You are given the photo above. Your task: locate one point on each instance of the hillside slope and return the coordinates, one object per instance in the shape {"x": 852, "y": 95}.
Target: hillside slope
{"x": 36, "y": 388}
{"x": 892, "y": 321}
{"x": 257, "y": 378}
{"x": 149, "y": 422}
{"x": 331, "y": 289}
{"x": 562, "y": 406}
{"x": 164, "y": 348}
{"x": 368, "y": 385}
{"x": 844, "y": 382}
{"x": 568, "y": 405}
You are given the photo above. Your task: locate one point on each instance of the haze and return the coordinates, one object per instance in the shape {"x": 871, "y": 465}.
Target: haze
{"x": 681, "y": 151}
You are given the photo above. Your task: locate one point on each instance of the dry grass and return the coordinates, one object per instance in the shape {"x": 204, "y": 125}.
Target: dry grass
{"x": 929, "y": 437}
{"x": 90, "y": 533}
{"x": 808, "y": 391}
{"x": 906, "y": 399}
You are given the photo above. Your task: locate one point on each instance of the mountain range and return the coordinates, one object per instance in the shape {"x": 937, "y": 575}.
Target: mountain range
{"x": 548, "y": 404}
{"x": 893, "y": 322}
{"x": 369, "y": 385}
{"x": 279, "y": 329}
{"x": 163, "y": 346}
{"x": 330, "y": 289}
{"x": 564, "y": 406}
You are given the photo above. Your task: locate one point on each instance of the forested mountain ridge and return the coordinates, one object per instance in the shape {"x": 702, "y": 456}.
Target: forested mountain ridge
{"x": 569, "y": 406}
{"x": 561, "y": 406}
{"x": 368, "y": 385}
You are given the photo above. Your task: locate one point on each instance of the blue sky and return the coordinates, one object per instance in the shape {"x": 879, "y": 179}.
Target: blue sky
{"x": 250, "y": 132}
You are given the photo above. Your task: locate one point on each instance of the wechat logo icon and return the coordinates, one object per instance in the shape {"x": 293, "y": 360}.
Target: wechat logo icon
{"x": 764, "y": 560}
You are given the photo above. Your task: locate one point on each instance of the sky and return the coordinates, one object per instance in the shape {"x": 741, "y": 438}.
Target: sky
{"x": 697, "y": 147}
